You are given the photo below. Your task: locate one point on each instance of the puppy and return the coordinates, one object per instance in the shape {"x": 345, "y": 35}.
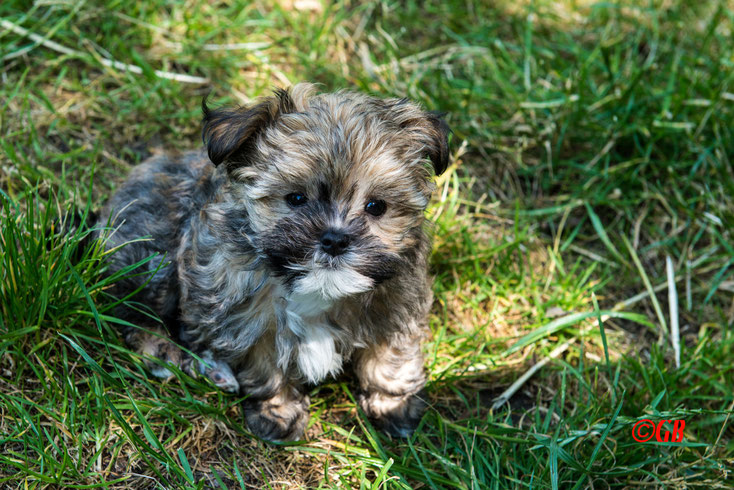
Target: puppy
{"x": 297, "y": 246}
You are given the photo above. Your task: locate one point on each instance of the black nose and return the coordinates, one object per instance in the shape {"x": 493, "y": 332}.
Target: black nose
{"x": 334, "y": 242}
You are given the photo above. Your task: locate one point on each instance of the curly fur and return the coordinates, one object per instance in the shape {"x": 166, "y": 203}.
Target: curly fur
{"x": 242, "y": 276}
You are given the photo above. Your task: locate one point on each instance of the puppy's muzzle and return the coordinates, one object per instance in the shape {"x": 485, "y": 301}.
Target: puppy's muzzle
{"x": 334, "y": 242}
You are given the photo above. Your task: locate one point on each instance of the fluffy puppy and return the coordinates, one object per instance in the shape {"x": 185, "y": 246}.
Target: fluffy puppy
{"x": 302, "y": 247}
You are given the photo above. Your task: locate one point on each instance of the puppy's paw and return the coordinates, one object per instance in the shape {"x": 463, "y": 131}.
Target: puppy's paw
{"x": 278, "y": 419}
{"x": 218, "y": 372}
{"x": 395, "y": 415}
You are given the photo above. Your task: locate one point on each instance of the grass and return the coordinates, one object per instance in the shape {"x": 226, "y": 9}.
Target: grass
{"x": 591, "y": 141}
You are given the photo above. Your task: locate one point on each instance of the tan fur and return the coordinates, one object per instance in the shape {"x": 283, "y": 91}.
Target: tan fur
{"x": 253, "y": 284}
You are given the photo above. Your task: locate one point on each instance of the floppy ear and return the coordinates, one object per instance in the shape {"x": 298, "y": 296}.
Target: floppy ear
{"x": 229, "y": 132}
{"x": 427, "y": 129}
{"x": 438, "y": 150}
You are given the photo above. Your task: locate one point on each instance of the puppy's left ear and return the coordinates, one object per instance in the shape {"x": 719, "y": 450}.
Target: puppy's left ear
{"x": 438, "y": 150}
{"x": 426, "y": 129}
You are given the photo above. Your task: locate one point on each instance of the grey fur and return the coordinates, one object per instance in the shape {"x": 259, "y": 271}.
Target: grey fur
{"x": 246, "y": 284}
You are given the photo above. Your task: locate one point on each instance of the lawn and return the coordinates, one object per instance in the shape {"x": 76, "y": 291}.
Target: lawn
{"x": 583, "y": 254}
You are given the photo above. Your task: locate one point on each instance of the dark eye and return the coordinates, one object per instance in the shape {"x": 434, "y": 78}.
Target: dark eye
{"x": 375, "y": 207}
{"x": 296, "y": 199}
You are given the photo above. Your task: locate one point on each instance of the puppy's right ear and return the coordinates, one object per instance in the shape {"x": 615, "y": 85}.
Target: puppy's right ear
{"x": 229, "y": 133}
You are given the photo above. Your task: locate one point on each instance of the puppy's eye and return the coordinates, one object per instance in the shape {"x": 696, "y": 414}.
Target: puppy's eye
{"x": 296, "y": 199}
{"x": 375, "y": 207}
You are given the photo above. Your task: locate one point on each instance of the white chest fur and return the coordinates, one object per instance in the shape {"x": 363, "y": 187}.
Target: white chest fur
{"x": 316, "y": 350}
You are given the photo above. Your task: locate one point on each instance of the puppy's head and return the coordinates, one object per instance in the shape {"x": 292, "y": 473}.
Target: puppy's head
{"x": 335, "y": 184}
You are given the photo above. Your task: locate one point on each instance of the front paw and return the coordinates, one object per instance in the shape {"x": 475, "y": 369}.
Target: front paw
{"x": 396, "y": 415}
{"x": 218, "y": 372}
{"x": 278, "y": 419}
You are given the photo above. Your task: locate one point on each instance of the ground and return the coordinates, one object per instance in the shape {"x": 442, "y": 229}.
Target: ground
{"x": 591, "y": 146}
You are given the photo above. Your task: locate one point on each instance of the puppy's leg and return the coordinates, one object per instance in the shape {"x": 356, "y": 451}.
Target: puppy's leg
{"x": 391, "y": 377}
{"x": 154, "y": 342}
{"x": 275, "y": 409}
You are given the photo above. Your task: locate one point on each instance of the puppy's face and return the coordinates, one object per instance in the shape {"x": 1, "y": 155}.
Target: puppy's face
{"x": 335, "y": 185}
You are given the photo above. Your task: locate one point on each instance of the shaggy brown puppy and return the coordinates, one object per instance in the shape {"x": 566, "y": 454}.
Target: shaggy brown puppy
{"x": 301, "y": 247}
